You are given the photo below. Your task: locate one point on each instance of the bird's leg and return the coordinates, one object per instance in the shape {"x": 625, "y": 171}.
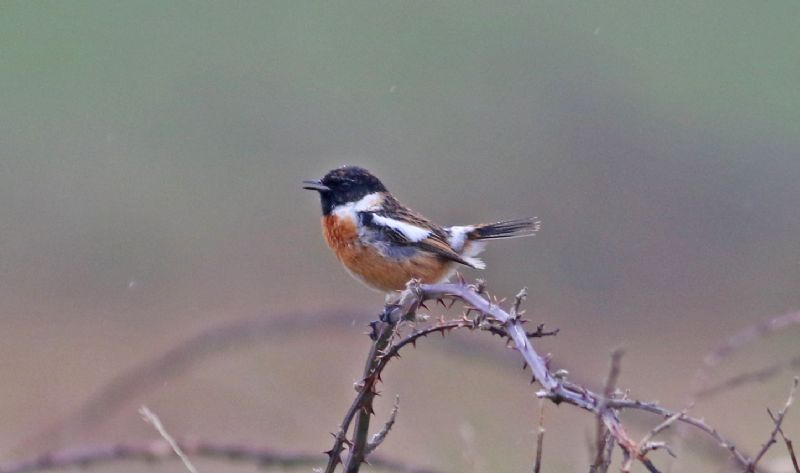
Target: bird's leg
{"x": 391, "y": 302}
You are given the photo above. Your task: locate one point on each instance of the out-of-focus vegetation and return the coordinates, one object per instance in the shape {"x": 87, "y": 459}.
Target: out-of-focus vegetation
{"x": 150, "y": 159}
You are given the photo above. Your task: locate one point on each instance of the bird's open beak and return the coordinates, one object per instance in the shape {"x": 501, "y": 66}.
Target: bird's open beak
{"x": 315, "y": 185}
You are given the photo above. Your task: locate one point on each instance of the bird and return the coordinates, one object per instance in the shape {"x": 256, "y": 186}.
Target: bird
{"x": 385, "y": 244}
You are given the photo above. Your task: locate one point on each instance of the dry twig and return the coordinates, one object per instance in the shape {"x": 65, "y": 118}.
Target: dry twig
{"x": 786, "y": 440}
{"x": 604, "y": 446}
{"x": 735, "y": 343}
{"x": 537, "y": 466}
{"x": 378, "y": 438}
{"x": 151, "y": 418}
{"x": 778, "y": 421}
{"x": 788, "y": 443}
{"x": 756, "y": 376}
{"x": 160, "y": 450}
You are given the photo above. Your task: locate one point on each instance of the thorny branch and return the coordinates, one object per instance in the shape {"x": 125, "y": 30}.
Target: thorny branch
{"x": 358, "y": 451}
{"x": 362, "y": 402}
{"x": 387, "y": 344}
{"x": 557, "y": 390}
{"x": 492, "y": 317}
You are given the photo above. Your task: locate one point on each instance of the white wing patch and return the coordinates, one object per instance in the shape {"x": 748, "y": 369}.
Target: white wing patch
{"x": 412, "y": 232}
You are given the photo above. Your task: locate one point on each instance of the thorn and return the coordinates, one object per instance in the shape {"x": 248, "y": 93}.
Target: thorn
{"x": 422, "y": 304}
{"x": 336, "y": 458}
{"x": 373, "y": 335}
{"x": 524, "y": 365}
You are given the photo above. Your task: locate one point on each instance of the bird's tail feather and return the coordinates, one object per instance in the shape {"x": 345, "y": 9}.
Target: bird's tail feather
{"x": 506, "y": 229}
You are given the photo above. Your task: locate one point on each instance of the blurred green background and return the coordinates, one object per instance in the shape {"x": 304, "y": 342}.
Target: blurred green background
{"x": 150, "y": 160}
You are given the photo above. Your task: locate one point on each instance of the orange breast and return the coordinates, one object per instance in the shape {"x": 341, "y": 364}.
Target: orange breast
{"x": 339, "y": 232}
{"x": 368, "y": 265}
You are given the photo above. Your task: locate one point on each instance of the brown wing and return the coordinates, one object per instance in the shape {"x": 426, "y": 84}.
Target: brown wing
{"x": 435, "y": 243}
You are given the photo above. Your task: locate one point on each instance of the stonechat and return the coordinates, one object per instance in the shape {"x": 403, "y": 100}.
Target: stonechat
{"x": 385, "y": 244}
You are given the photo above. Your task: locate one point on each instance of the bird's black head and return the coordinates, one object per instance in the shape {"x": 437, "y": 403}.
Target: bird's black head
{"x": 343, "y": 185}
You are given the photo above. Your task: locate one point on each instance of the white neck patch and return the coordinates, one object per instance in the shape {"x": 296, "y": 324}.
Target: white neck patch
{"x": 368, "y": 202}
